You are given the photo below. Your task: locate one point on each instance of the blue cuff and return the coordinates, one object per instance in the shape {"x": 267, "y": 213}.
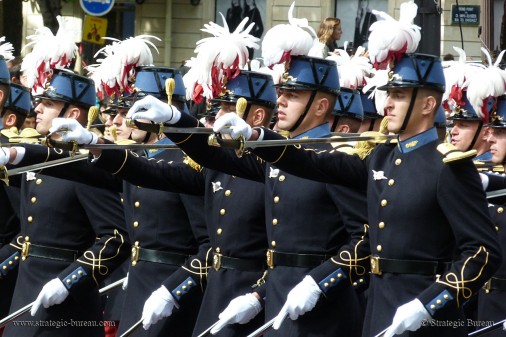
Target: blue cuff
{"x": 10, "y": 263}
{"x": 183, "y": 288}
{"x": 74, "y": 277}
{"x": 438, "y": 302}
{"x": 332, "y": 280}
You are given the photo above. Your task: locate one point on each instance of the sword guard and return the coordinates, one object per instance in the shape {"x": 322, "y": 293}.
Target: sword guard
{"x": 4, "y": 176}
{"x": 72, "y": 146}
{"x": 238, "y": 145}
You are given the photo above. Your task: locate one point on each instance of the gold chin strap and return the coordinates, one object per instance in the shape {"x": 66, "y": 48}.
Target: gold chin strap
{"x": 113, "y": 131}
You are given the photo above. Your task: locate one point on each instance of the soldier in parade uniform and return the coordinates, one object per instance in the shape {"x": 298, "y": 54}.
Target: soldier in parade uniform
{"x": 423, "y": 251}
{"x": 71, "y": 234}
{"x": 14, "y": 105}
{"x": 238, "y": 252}
{"x": 492, "y": 298}
{"x": 169, "y": 250}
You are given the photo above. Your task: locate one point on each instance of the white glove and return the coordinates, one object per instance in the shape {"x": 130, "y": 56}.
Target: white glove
{"x": 232, "y": 125}
{"x": 72, "y": 130}
{"x": 504, "y": 326}
{"x": 301, "y": 299}
{"x": 153, "y": 109}
{"x": 240, "y": 310}
{"x": 159, "y": 305}
{"x": 53, "y": 292}
{"x": 409, "y": 316}
{"x": 124, "y": 286}
{"x": 5, "y": 155}
{"x": 484, "y": 180}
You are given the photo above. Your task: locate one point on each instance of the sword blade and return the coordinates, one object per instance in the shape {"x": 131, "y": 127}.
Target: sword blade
{"x": 382, "y": 333}
{"x": 6, "y": 320}
{"x": 128, "y": 146}
{"x": 237, "y": 144}
{"x": 160, "y": 128}
{"x": 208, "y": 330}
{"x": 52, "y": 163}
{"x": 132, "y": 329}
{"x": 497, "y": 193}
{"x": 111, "y": 286}
{"x": 486, "y": 330}
{"x": 263, "y": 329}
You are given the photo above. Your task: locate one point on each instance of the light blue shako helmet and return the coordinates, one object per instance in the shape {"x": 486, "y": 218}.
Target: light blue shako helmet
{"x": 19, "y": 102}
{"x": 348, "y": 104}
{"x": 311, "y": 74}
{"x": 256, "y": 87}
{"x": 497, "y": 118}
{"x": 70, "y": 88}
{"x": 151, "y": 81}
{"x": 465, "y": 111}
{"x": 415, "y": 71}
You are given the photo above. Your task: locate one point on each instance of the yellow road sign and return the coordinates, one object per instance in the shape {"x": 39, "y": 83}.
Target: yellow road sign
{"x": 94, "y": 29}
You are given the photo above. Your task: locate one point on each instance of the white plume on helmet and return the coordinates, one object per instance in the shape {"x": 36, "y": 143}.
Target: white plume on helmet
{"x": 486, "y": 83}
{"x": 379, "y": 78}
{"x": 6, "y": 49}
{"x": 390, "y": 39}
{"x": 113, "y": 72}
{"x": 219, "y": 59}
{"x": 458, "y": 74}
{"x": 353, "y": 69}
{"x": 49, "y": 52}
{"x": 284, "y": 40}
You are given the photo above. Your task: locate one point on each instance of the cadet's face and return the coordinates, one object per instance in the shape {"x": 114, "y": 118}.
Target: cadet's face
{"x": 463, "y": 133}
{"x": 396, "y": 108}
{"x": 291, "y": 105}
{"x": 230, "y": 107}
{"x": 119, "y": 120}
{"x": 46, "y": 110}
{"x": 497, "y": 140}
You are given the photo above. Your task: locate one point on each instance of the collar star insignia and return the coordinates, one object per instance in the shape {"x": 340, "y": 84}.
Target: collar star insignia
{"x": 216, "y": 186}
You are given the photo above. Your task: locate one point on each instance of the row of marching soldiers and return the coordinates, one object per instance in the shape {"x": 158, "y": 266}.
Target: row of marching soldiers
{"x": 311, "y": 215}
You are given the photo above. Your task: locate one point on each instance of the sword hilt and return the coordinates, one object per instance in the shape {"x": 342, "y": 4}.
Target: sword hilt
{"x": 170, "y": 86}
{"x": 72, "y": 146}
{"x": 237, "y": 144}
{"x": 92, "y": 115}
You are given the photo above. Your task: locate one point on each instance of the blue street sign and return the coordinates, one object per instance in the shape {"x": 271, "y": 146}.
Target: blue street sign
{"x": 96, "y": 7}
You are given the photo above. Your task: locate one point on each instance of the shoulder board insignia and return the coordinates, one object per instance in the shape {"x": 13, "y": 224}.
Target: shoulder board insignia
{"x": 451, "y": 154}
{"x": 10, "y": 133}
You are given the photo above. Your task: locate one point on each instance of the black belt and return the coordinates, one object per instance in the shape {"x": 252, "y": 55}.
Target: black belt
{"x": 157, "y": 256}
{"x": 294, "y": 260}
{"x": 382, "y": 265}
{"x": 59, "y": 254}
{"x": 495, "y": 284}
{"x": 227, "y": 262}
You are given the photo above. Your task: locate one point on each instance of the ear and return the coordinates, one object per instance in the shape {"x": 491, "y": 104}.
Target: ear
{"x": 9, "y": 120}
{"x": 257, "y": 116}
{"x": 429, "y": 105}
{"x": 344, "y": 128}
{"x": 73, "y": 112}
{"x": 322, "y": 106}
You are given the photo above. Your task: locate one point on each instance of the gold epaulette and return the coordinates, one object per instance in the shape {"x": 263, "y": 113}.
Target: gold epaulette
{"x": 451, "y": 154}
{"x": 192, "y": 163}
{"x": 365, "y": 147}
{"x": 27, "y": 135}
{"x": 488, "y": 166}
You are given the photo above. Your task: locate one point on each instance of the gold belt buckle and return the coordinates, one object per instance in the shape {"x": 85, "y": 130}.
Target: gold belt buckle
{"x": 216, "y": 261}
{"x": 135, "y": 253}
{"x": 487, "y": 286}
{"x": 270, "y": 258}
{"x": 375, "y": 266}
{"x": 25, "y": 249}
